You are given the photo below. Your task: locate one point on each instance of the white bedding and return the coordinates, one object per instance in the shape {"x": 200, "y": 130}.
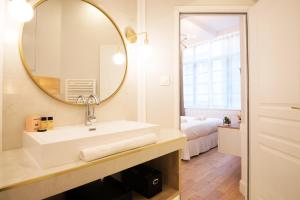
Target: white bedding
{"x": 199, "y": 145}
{"x": 194, "y": 128}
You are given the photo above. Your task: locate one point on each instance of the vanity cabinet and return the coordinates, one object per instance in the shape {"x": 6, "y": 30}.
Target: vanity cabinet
{"x": 19, "y": 176}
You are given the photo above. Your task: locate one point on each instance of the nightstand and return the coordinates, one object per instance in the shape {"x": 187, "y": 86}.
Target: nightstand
{"x": 229, "y": 139}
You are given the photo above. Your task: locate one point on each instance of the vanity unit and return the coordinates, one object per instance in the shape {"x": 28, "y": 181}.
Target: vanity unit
{"x": 22, "y": 178}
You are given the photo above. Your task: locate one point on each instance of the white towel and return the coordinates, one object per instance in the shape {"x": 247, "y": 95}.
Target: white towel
{"x": 100, "y": 151}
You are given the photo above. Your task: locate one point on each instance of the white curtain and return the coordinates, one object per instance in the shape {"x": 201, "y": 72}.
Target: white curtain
{"x": 211, "y": 73}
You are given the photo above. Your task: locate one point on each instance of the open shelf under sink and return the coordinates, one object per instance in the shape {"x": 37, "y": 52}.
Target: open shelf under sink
{"x": 168, "y": 193}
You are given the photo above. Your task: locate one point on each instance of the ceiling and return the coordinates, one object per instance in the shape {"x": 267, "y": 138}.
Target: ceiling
{"x": 199, "y": 27}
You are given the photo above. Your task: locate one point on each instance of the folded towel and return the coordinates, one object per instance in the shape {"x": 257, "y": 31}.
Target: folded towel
{"x": 100, "y": 151}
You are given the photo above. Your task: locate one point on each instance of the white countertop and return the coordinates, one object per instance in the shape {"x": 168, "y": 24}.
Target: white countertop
{"x": 17, "y": 168}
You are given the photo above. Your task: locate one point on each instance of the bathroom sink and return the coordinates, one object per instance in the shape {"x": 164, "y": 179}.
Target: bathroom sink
{"x": 63, "y": 144}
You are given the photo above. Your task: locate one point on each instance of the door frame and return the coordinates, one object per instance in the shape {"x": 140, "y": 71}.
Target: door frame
{"x": 242, "y": 10}
{"x": 2, "y": 30}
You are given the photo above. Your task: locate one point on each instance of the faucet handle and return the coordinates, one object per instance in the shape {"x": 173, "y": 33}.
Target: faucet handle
{"x": 81, "y": 100}
{"x": 92, "y": 99}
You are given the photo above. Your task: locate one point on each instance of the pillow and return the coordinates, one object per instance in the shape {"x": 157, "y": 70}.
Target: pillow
{"x": 184, "y": 119}
{"x": 200, "y": 118}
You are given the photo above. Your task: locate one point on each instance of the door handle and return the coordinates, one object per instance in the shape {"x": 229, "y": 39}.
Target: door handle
{"x": 295, "y": 108}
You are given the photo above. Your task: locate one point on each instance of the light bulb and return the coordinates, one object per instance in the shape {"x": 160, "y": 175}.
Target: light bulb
{"x": 20, "y": 10}
{"x": 119, "y": 58}
{"x": 146, "y": 49}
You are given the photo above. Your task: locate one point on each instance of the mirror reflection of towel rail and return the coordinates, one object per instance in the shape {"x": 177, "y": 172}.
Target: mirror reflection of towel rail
{"x": 295, "y": 108}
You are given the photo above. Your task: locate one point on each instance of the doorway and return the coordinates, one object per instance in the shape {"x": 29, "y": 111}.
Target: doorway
{"x": 214, "y": 104}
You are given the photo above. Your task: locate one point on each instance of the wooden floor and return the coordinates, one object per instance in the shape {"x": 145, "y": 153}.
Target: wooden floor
{"x": 211, "y": 176}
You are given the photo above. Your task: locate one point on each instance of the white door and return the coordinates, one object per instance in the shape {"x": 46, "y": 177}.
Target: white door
{"x": 274, "y": 56}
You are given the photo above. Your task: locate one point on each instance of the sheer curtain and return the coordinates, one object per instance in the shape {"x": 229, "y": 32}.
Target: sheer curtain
{"x": 211, "y": 73}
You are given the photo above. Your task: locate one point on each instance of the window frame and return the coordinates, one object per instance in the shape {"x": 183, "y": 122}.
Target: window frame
{"x": 194, "y": 62}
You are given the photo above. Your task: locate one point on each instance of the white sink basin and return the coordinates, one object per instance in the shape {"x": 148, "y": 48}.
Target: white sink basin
{"x": 63, "y": 144}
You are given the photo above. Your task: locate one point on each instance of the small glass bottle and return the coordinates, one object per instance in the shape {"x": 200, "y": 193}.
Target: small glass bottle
{"x": 43, "y": 124}
{"x": 50, "y": 123}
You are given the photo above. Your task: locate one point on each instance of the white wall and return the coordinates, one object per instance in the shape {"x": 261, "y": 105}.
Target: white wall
{"x": 161, "y": 102}
{"x": 22, "y": 97}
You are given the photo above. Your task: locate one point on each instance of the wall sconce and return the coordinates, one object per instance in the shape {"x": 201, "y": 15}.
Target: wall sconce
{"x": 20, "y": 10}
{"x": 132, "y": 36}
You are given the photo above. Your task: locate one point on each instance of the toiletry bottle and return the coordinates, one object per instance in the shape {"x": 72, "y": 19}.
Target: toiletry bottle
{"x": 43, "y": 125}
{"x": 50, "y": 123}
{"x": 32, "y": 123}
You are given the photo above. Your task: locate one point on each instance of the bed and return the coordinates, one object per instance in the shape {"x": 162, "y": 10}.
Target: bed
{"x": 202, "y": 135}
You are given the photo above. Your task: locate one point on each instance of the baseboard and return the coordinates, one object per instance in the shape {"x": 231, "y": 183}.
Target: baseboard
{"x": 243, "y": 187}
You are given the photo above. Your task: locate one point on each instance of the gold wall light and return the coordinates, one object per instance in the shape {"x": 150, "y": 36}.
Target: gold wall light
{"x": 132, "y": 36}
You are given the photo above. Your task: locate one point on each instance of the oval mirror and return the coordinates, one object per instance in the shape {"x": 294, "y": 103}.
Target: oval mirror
{"x": 72, "y": 48}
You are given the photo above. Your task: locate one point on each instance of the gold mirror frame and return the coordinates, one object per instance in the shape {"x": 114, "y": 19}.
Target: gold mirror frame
{"x": 27, "y": 68}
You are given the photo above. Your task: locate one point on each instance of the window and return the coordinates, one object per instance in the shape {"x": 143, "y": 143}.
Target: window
{"x": 211, "y": 73}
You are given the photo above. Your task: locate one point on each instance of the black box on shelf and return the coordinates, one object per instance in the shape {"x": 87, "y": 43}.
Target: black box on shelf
{"x": 106, "y": 189}
{"x": 143, "y": 179}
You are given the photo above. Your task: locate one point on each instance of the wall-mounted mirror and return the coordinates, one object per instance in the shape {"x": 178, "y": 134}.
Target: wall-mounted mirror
{"x": 72, "y": 48}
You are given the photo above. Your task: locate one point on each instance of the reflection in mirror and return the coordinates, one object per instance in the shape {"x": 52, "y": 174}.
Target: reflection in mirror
{"x": 72, "y": 48}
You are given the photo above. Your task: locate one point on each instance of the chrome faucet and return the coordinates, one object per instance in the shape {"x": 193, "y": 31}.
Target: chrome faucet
{"x": 90, "y": 103}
